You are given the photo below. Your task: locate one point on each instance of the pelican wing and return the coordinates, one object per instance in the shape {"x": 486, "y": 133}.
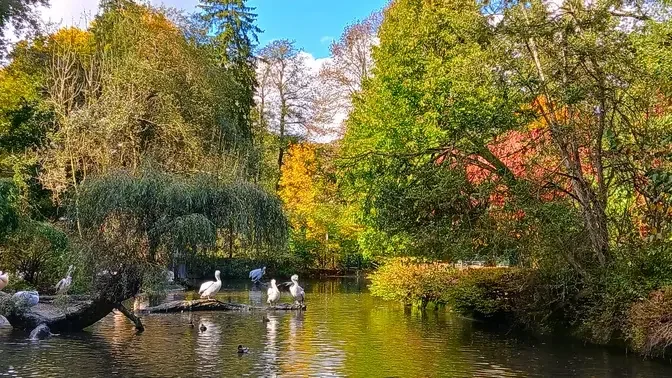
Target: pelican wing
{"x": 60, "y": 285}
{"x": 205, "y": 286}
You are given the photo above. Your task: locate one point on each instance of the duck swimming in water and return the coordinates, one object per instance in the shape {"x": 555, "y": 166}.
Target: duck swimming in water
{"x": 203, "y": 328}
{"x": 242, "y": 349}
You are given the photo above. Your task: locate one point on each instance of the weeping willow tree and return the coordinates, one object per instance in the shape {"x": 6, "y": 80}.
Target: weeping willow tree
{"x": 131, "y": 88}
{"x": 136, "y": 224}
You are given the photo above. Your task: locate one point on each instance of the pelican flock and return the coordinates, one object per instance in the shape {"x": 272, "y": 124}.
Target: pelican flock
{"x": 273, "y": 293}
{"x": 63, "y": 285}
{"x": 211, "y": 287}
{"x": 4, "y": 280}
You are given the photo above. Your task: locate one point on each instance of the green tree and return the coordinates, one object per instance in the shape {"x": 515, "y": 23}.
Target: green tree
{"x": 235, "y": 39}
{"x": 139, "y": 223}
{"x": 21, "y": 15}
{"x": 433, "y": 105}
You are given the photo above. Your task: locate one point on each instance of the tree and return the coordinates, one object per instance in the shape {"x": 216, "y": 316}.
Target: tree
{"x": 132, "y": 89}
{"x": 286, "y": 93}
{"x": 350, "y": 65}
{"x": 420, "y": 121}
{"x": 235, "y": 39}
{"x": 537, "y": 116}
{"x": 21, "y": 15}
{"x": 323, "y": 225}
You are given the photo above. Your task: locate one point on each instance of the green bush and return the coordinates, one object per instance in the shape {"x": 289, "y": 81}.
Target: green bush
{"x": 412, "y": 281}
{"x": 485, "y": 292}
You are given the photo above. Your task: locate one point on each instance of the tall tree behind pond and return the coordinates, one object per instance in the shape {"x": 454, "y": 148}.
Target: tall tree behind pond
{"x": 21, "y": 15}
{"x": 286, "y": 94}
{"x": 232, "y": 24}
{"x": 350, "y": 64}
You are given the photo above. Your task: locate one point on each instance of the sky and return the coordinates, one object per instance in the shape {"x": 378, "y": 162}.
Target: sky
{"x": 313, "y": 24}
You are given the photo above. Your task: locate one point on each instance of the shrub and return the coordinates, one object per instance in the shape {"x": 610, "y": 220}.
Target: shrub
{"x": 649, "y": 323}
{"x": 412, "y": 281}
{"x": 485, "y": 292}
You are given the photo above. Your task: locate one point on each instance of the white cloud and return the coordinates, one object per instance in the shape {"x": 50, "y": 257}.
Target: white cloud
{"x": 312, "y": 63}
{"x": 80, "y": 12}
{"x": 326, "y": 39}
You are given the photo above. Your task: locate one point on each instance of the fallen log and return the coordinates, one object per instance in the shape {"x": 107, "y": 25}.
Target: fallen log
{"x": 215, "y": 305}
{"x": 70, "y": 316}
{"x": 75, "y": 298}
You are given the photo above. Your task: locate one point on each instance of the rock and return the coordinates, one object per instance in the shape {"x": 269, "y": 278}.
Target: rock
{"x": 40, "y": 332}
{"x": 29, "y": 298}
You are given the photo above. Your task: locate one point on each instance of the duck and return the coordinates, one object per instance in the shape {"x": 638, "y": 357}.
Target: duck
{"x": 265, "y": 319}
{"x": 273, "y": 293}
{"x": 63, "y": 285}
{"x": 256, "y": 274}
{"x": 211, "y": 287}
{"x": 4, "y": 280}
{"x": 31, "y": 298}
{"x": 296, "y": 290}
{"x": 203, "y": 328}
{"x": 242, "y": 349}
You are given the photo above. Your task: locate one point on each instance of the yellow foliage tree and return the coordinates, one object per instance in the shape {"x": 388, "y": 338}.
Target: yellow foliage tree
{"x": 323, "y": 226}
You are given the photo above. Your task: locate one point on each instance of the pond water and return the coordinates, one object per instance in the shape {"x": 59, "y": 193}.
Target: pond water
{"x": 344, "y": 332}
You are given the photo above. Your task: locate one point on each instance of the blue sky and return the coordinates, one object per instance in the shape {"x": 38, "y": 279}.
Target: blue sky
{"x": 311, "y": 23}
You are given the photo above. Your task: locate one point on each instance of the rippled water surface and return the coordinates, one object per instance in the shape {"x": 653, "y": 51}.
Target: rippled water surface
{"x": 344, "y": 332}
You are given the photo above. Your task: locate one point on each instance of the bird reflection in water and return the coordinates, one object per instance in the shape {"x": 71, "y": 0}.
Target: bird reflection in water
{"x": 295, "y": 324}
{"x": 270, "y": 356}
{"x": 256, "y": 297}
{"x": 208, "y": 343}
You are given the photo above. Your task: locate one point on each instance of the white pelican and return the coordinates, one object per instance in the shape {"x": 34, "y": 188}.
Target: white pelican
{"x": 296, "y": 290}
{"x": 63, "y": 285}
{"x": 4, "y": 280}
{"x": 31, "y": 298}
{"x": 255, "y": 275}
{"x": 211, "y": 287}
{"x": 273, "y": 293}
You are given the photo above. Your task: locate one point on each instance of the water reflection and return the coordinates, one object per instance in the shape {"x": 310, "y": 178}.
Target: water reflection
{"x": 256, "y": 298}
{"x": 344, "y": 332}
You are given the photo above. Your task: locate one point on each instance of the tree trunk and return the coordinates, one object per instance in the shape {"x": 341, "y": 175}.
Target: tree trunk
{"x": 215, "y": 305}
{"x": 131, "y": 316}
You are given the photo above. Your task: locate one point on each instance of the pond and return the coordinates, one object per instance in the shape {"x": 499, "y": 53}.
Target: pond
{"x": 344, "y": 332}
